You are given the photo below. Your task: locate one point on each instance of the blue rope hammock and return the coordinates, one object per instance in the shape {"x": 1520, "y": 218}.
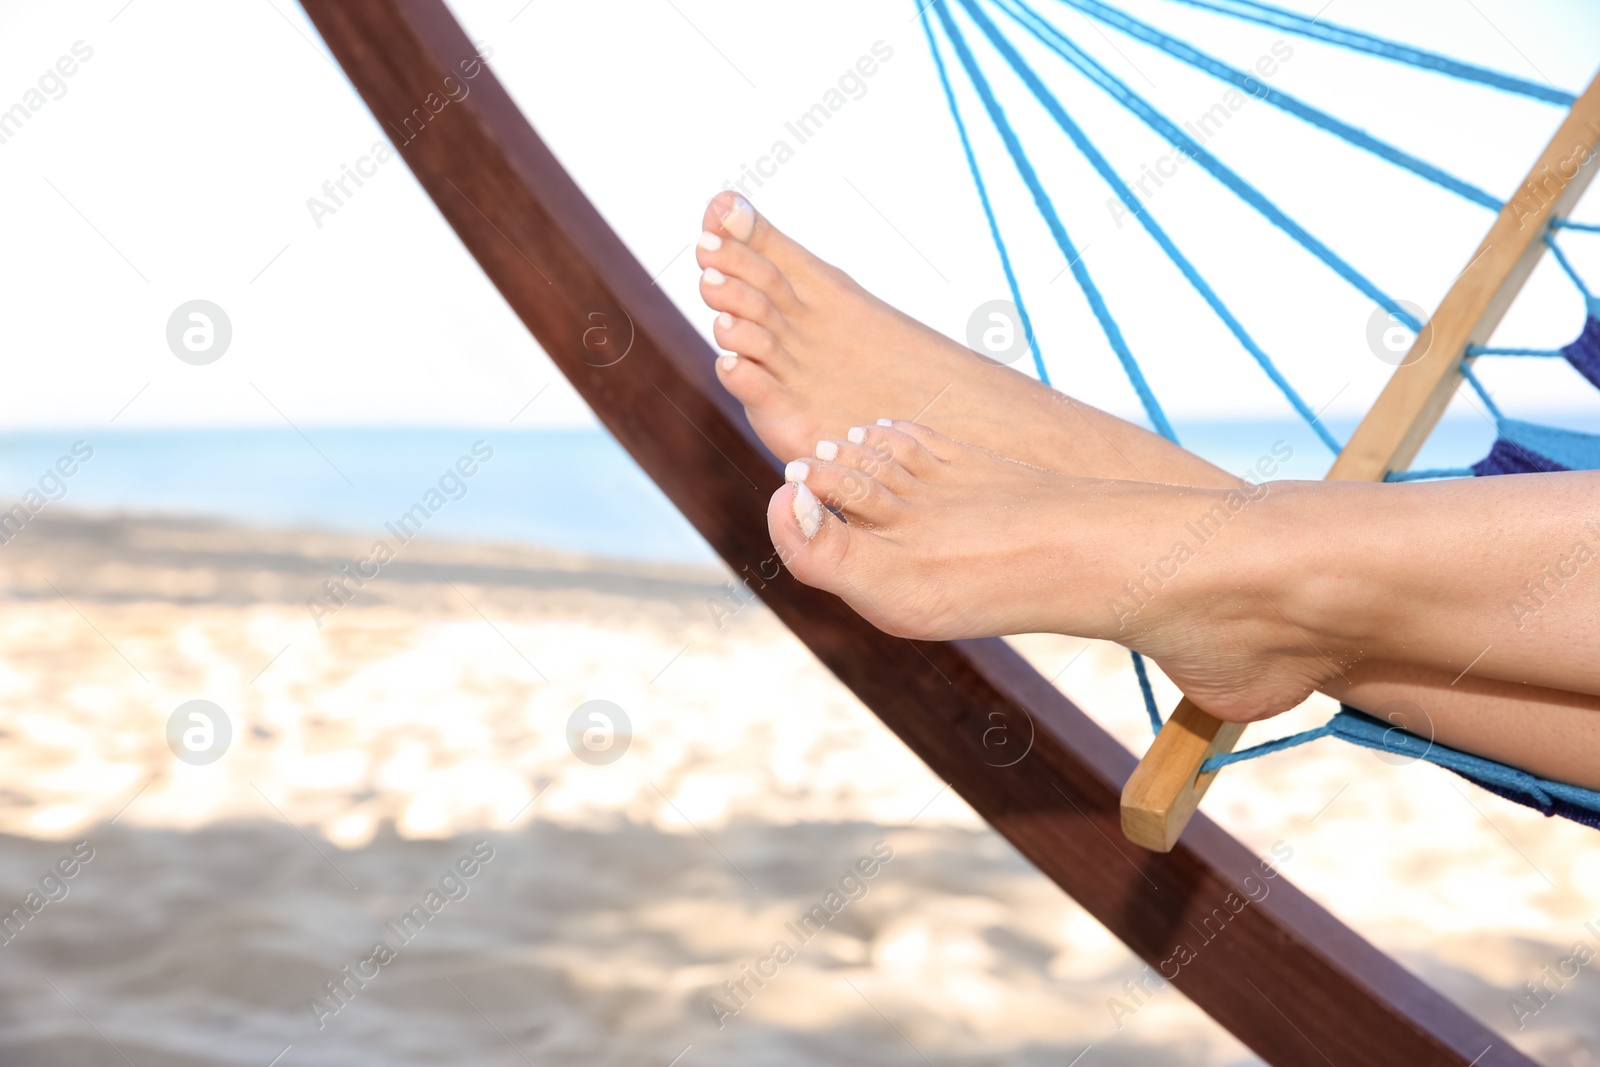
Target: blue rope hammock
{"x": 1519, "y": 447}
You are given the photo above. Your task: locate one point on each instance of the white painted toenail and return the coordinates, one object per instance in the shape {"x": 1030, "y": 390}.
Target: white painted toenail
{"x": 725, "y": 321}
{"x": 807, "y": 511}
{"x": 885, "y": 422}
{"x": 740, "y": 221}
{"x": 856, "y": 435}
{"x": 827, "y": 451}
{"x": 796, "y": 471}
{"x": 727, "y": 361}
{"x": 710, "y": 241}
{"x": 713, "y": 276}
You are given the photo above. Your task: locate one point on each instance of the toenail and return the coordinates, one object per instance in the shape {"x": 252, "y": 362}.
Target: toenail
{"x": 713, "y": 276}
{"x": 856, "y": 435}
{"x": 727, "y": 361}
{"x": 710, "y": 241}
{"x": 725, "y": 321}
{"x": 740, "y": 221}
{"x": 827, "y": 451}
{"x": 807, "y": 511}
{"x": 796, "y": 471}
{"x": 885, "y": 422}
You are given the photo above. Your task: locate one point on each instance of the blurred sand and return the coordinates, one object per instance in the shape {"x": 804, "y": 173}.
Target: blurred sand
{"x": 431, "y": 713}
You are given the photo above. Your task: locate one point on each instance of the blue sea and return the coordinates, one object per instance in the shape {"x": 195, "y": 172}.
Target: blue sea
{"x": 568, "y": 489}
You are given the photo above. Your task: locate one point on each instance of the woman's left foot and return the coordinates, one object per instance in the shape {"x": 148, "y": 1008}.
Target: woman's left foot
{"x": 942, "y": 540}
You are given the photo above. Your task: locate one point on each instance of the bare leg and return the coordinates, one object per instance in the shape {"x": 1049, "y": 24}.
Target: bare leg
{"x": 834, "y": 357}
{"x": 1291, "y": 589}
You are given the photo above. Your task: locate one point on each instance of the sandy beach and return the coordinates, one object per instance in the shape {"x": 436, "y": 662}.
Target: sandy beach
{"x": 423, "y": 729}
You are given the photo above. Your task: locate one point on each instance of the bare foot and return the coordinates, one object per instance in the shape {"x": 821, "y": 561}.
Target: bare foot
{"x": 944, "y": 540}
{"x": 817, "y": 354}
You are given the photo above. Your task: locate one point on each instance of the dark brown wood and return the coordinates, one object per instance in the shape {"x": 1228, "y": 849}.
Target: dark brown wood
{"x": 1287, "y": 978}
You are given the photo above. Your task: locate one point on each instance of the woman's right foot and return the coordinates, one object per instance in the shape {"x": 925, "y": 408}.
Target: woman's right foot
{"x": 817, "y": 354}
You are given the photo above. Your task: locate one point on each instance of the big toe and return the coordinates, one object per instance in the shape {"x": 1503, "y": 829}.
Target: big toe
{"x": 811, "y": 541}
{"x": 731, "y": 214}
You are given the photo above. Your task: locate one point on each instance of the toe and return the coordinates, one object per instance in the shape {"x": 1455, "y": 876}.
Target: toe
{"x": 858, "y": 495}
{"x": 936, "y": 443}
{"x": 746, "y": 338}
{"x": 869, "y": 461}
{"x": 811, "y": 543}
{"x": 737, "y": 260}
{"x": 906, "y": 449}
{"x": 749, "y": 382}
{"x": 731, "y": 215}
{"x": 739, "y": 299}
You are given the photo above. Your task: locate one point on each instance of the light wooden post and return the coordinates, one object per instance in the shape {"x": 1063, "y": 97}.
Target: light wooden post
{"x": 1165, "y": 789}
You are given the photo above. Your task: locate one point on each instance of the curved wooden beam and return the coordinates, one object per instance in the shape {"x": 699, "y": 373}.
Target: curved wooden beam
{"x": 1316, "y": 991}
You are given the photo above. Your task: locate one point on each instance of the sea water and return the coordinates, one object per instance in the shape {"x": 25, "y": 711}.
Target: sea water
{"x": 570, "y": 488}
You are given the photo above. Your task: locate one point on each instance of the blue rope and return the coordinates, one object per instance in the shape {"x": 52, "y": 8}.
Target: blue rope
{"x": 1589, "y": 299}
{"x": 1423, "y": 475}
{"x": 983, "y": 196}
{"x": 1568, "y": 224}
{"x": 1266, "y": 748}
{"x": 1150, "y": 707}
{"x": 1090, "y": 68}
{"x": 1542, "y": 794}
{"x": 1058, "y": 230}
{"x": 1566, "y": 265}
{"x": 1488, "y": 350}
{"x": 1052, "y": 105}
{"x": 1252, "y": 86}
{"x": 1080, "y": 272}
{"x": 1355, "y": 40}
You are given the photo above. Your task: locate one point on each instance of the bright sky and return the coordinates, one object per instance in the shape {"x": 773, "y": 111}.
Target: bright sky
{"x": 175, "y": 163}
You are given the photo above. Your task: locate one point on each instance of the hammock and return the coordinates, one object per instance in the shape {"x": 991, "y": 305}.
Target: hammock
{"x": 1519, "y": 447}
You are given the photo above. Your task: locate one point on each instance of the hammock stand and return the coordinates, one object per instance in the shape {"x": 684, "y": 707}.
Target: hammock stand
{"x": 1316, "y": 991}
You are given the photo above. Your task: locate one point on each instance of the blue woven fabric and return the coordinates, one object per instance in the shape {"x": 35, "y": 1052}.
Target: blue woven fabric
{"x": 1572, "y": 449}
{"x": 1528, "y": 448}
{"x": 1507, "y": 457}
{"x": 1584, "y": 353}
{"x": 1551, "y": 798}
